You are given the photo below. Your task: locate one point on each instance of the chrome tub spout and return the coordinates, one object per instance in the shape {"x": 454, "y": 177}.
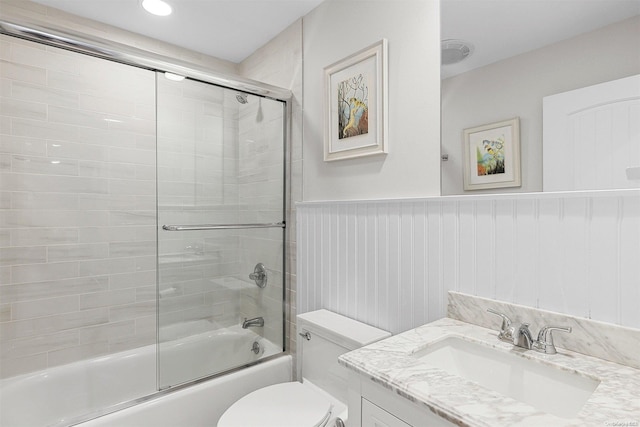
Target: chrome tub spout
{"x": 256, "y": 321}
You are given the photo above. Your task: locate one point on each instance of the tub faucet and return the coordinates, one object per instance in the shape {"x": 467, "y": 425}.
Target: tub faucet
{"x": 256, "y": 321}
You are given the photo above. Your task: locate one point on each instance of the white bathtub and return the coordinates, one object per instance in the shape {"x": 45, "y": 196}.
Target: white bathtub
{"x": 209, "y": 353}
{"x": 59, "y": 395}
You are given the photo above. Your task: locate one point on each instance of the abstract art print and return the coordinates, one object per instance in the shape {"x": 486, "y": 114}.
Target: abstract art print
{"x": 353, "y": 110}
{"x": 492, "y": 155}
{"x": 356, "y": 105}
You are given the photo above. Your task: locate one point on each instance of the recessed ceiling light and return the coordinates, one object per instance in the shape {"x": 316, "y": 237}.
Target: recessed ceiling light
{"x": 157, "y": 7}
{"x": 174, "y": 77}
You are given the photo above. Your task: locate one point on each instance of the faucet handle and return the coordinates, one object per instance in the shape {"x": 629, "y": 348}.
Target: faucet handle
{"x": 506, "y": 331}
{"x": 544, "y": 344}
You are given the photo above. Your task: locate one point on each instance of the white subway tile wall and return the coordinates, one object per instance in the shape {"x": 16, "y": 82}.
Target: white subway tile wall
{"x": 261, "y": 200}
{"x": 391, "y": 263}
{"x": 279, "y": 62}
{"x": 78, "y": 206}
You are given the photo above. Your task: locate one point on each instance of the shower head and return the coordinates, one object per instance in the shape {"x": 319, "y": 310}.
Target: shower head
{"x": 242, "y": 98}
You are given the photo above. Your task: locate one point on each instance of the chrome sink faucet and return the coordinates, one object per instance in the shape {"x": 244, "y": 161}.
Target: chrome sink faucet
{"x": 522, "y": 337}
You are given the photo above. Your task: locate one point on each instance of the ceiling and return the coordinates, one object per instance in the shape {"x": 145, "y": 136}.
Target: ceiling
{"x": 499, "y": 29}
{"x": 234, "y": 29}
{"x": 226, "y": 29}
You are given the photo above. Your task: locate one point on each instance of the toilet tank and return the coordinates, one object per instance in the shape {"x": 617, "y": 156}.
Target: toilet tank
{"x": 331, "y": 335}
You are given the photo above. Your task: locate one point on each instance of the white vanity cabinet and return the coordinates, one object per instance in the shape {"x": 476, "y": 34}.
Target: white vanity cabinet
{"x": 372, "y": 405}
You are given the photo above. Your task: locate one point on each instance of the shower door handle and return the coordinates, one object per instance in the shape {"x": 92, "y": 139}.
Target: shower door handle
{"x": 222, "y": 226}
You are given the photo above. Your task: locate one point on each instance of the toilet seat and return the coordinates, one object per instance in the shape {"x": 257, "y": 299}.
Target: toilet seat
{"x": 281, "y": 405}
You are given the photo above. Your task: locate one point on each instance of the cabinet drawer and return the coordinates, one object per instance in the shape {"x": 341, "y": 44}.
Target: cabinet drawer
{"x": 375, "y": 416}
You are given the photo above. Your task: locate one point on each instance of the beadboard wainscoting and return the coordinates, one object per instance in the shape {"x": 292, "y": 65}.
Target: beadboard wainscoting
{"x": 390, "y": 263}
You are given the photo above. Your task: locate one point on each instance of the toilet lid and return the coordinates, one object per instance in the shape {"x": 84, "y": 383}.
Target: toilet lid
{"x": 280, "y": 405}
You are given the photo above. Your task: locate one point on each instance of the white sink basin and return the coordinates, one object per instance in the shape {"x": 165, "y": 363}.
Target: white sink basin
{"x": 544, "y": 387}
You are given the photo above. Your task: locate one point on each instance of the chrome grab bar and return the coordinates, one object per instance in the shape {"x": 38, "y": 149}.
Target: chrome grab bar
{"x": 222, "y": 226}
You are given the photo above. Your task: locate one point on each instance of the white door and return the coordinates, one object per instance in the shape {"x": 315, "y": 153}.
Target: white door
{"x": 591, "y": 137}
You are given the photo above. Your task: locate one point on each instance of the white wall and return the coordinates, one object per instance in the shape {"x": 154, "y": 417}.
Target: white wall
{"x": 338, "y": 28}
{"x": 390, "y": 263}
{"x": 516, "y": 86}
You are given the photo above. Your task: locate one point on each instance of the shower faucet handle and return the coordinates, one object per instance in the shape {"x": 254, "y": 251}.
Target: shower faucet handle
{"x": 259, "y": 275}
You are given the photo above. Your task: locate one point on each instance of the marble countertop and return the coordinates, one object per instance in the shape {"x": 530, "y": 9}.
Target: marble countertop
{"x": 390, "y": 363}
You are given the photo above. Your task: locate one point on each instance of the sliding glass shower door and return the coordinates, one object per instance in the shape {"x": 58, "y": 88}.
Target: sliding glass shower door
{"x": 97, "y": 154}
{"x": 220, "y": 229}
{"x": 77, "y": 233}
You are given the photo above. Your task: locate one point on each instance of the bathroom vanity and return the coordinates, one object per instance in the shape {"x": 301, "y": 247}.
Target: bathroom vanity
{"x": 454, "y": 372}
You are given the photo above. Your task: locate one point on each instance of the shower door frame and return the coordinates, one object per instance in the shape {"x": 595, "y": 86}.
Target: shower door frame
{"x": 44, "y": 33}
{"x": 75, "y": 41}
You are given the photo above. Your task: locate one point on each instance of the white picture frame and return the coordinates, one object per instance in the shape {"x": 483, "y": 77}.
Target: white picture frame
{"x": 355, "y": 105}
{"x": 492, "y": 155}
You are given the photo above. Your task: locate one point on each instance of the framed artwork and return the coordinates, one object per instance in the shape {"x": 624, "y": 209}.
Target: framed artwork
{"x": 355, "y": 105}
{"x": 492, "y": 155}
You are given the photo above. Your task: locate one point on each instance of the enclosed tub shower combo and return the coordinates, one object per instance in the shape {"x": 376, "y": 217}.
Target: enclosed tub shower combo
{"x": 142, "y": 232}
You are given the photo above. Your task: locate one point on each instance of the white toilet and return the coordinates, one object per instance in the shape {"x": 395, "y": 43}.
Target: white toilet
{"x": 321, "y": 397}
